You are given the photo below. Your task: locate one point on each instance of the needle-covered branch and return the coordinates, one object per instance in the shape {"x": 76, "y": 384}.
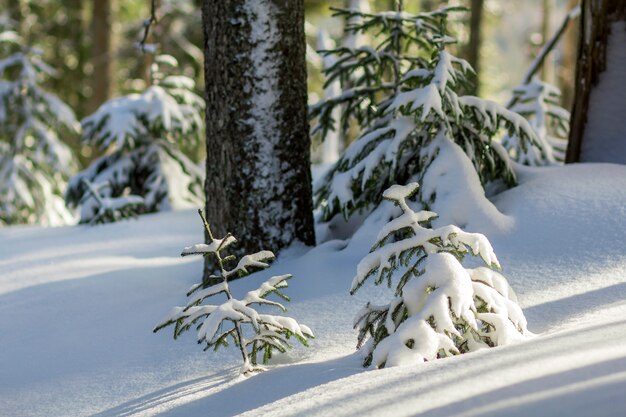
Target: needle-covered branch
{"x": 440, "y": 308}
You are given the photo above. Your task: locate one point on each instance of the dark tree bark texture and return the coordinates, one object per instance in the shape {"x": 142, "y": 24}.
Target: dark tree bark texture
{"x": 595, "y": 32}
{"x": 258, "y": 184}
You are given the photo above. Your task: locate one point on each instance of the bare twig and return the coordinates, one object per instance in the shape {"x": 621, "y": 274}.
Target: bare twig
{"x": 146, "y": 26}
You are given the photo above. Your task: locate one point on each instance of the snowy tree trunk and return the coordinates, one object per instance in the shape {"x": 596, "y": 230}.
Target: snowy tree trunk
{"x": 598, "y": 132}
{"x": 258, "y": 147}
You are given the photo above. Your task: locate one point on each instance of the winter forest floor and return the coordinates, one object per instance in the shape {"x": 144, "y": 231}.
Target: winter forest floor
{"x": 78, "y": 304}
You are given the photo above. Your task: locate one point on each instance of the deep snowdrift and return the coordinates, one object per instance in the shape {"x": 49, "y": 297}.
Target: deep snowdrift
{"x": 77, "y": 306}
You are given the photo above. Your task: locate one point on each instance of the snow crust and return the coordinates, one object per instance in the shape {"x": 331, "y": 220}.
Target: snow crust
{"x": 77, "y": 306}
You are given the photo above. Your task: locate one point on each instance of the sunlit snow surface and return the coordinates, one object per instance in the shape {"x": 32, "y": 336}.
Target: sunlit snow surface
{"x": 77, "y": 308}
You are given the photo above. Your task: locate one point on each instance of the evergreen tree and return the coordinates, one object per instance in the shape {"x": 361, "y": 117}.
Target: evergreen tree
{"x": 439, "y": 307}
{"x": 140, "y": 135}
{"x": 268, "y": 332}
{"x": 539, "y": 103}
{"x": 408, "y": 100}
{"x": 35, "y": 164}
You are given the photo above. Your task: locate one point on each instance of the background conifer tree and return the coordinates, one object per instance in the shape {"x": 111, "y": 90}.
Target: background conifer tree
{"x": 409, "y": 102}
{"x": 539, "y": 103}
{"x": 35, "y": 163}
{"x": 140, "y": 135}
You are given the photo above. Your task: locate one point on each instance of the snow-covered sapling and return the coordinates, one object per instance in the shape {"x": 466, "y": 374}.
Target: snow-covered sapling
{"x": 97, "y": 208}
{"x": 406, "y": 93}
{"x": 539, "y": 103}
{"x": 140, "y": 135}
{"x": 439, "y": 307}
{"x": 264, "y": 333}
{"x": 35, "y": 163}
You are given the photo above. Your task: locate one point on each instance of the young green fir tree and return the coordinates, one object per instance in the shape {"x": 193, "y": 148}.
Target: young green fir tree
{"x": 140, "y": 135}
{"x": 539, "y": 102}
{"x": 35, "y": 164}
{"x": 439, "y": 307}
{"x": 253, "y": 333}
{"x": 409, "y": 102}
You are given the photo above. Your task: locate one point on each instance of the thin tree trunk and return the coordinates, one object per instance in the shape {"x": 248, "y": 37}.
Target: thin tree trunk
{"x": 568, "y": 61}
{"x": 102, "y": 52}
{"x": 547, "y": 69}
{"x": 258, "y": 182}
{"x": 595, "y": 28}
{"x": 475, "y": 41}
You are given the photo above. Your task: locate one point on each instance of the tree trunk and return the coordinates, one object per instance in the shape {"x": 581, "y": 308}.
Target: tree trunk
{"x": 568, "y": 61}
{"x": 258, "y": 182}
{"x": 547, "y": 69}
{"x": 473, "y": 47}
{"x": 102, "y": 52}
{"x": 597, "y": 129}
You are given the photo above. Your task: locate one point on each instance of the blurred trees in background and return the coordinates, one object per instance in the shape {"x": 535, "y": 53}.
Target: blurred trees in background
{"x": 93, "y": 46}
{"x": 92, "y": 43}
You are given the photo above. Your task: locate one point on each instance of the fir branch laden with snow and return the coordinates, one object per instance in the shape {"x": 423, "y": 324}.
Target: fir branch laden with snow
{"x": 539, "y": 103}
{"x": 35, "y": 164}
{"x": 440, "y": 308}
{"x": 266, "y": 333}
{"x": 411, "y": 117}
{"x": 97, "y": 208}
{"x": 140, "y": 135}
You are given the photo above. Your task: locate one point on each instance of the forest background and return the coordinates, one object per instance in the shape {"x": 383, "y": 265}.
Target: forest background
{"x": 92, "y": 46}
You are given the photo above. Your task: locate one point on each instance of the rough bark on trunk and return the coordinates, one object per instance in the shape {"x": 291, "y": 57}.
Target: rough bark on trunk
{"x": 258, "y": 182}
{"x": 102, "y": 52}
{"x": 595, "y": 30}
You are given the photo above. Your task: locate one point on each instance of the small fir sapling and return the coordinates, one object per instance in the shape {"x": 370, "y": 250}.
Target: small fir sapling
{"x": 252, "y": 332}
{"x": 409, "y": 102}
{"x": 101, "y": 209}
{"x": 35, "y": 164}
{"x": 439, "y": 307}
{"x": 539, "y": 103}
{"x": 140, "y": 135}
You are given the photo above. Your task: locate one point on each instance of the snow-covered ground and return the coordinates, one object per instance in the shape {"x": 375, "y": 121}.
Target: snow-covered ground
{"x": 78, "y": 304}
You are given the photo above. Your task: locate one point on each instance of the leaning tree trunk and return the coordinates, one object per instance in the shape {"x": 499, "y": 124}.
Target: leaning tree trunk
{"x": 598, "y": 131}
{"x": 258, "y": 182}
